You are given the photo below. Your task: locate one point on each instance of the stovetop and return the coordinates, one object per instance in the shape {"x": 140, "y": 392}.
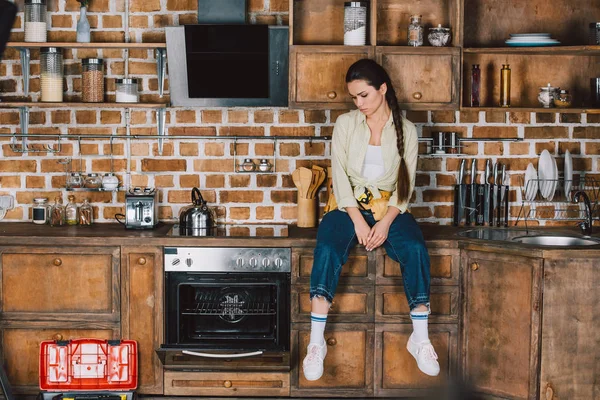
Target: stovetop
{"x": 245, "y": 230}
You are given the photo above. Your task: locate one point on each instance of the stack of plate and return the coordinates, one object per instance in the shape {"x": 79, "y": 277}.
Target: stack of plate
{"x": 531, "y": 39}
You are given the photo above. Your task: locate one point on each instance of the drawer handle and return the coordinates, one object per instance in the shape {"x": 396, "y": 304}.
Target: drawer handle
{"x": 57, "y": 336}
{"x": 142, "y": 261}
{"x": 332, "y": 95}
{"x": 331, "y": 342}
{"x": 57, "y": 262}
{"x": 417, "y": 95}
{"x": 474, "y": 266}
{"x": 227, "y": 384}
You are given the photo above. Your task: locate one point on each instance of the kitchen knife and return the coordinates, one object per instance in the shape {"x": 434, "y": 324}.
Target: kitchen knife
{"x": 459, "y": 195}
{"x": 486, "y": 192}
{"x": 494, "y": 194}
{"x": 472, "y": 195}
{"x": 498, "y": 181}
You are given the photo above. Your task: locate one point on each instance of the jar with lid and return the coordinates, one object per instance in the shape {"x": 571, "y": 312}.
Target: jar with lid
{"x": 110, "y": 181}
{"x": 93, "y": 181}
{"x": 86, "y": 213}
{"x": 74, "y": 181}
{"x": 355, "y": 23}
{"x": 51, "y": 74}
{"x": 71, "y": 214}
{"x": 563, "y": 99}
{"x": 57, "y": 213}
{"x": 248, "y": 165}
{"x": 92, "y": 80}
{"x": 264, "y": 165}
{"x": 36, "y": 29}
{"x": 415, "y": 31}
{"x": 546, "y": 95}
{"x": 127, "y": 90}
{"x": 439, "y": 36}
{"x": 40, "y": 210}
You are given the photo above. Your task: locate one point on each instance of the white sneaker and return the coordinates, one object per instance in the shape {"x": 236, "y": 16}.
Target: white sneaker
{"x": 313, "y": 362}
{"x": 425, "y": 355}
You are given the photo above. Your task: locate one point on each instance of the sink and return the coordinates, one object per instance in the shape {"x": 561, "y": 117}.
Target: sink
{"x": 547, "y": 240}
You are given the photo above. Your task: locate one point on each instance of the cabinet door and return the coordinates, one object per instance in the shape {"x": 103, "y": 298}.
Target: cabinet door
{"x": 348, "y": 368}
{"x": 396, "y": 371}
{"x": 424, "y": 78}
{"x": 230, "y": 384}
{"x": 501, "y": 323}
{"x": 318, "y": 75}
{"x": 351, "y": 304}
{"x": 359, "y": 269}
{"x": 142, "y": 312}
{"x": 21, "y": 350}
{"x": 67, "y": 283}
{"x": 391, "y": 304}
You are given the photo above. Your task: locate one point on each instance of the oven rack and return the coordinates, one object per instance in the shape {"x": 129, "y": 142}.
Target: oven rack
{"x": 231, "y": 308}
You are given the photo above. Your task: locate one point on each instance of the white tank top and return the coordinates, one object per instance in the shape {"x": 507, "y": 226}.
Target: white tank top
{"x": 373, "y": 167}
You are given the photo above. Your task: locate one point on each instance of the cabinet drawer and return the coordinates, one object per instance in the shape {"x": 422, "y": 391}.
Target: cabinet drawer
{"x": 71, "y": 281}
{"x": 226, "y": 384}
{"x": 350, "y": 304}
{"x": 396, "y": 371}
{"x": 444, "y": 267}
{"x": 391, "y": 304}
{"x": 360, "y": 268}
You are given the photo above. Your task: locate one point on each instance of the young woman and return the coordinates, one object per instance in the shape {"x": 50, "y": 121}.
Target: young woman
{"x": 374, "y": 160}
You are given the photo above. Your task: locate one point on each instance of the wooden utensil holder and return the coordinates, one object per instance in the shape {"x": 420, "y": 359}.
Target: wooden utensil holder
{"x": 307, "y": 212}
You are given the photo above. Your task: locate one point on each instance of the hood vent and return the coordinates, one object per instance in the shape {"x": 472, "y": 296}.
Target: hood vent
{"x": 222, "y": 12}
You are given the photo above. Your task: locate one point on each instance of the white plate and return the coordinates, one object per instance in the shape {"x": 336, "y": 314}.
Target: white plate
{"x": 554, "y": 182}
{"x": 516, "y": 35}
{"x": 568, "y": 175}
{"x": 531, "y": 183}
{"x": 546, "y": 174}
{"x": 528, "y": 40}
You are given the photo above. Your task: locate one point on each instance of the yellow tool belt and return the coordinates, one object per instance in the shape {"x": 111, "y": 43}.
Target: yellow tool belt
{"x": 366, "y": 201}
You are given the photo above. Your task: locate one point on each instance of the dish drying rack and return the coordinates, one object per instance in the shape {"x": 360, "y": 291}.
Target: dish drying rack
{"x": 560, "y": 206}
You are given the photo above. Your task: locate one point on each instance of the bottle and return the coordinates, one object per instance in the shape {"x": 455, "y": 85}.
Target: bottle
{"x": 86, "y": 213}
{"x": 71, "y": 211}
{"x": 40, "y": 210}
{"x": 51, "y": 74}
{"x": 415, "y": 31}
{"x": 57, "y": 213}
{"x": 505, "y": 86}
{"x": 475, "y": 85}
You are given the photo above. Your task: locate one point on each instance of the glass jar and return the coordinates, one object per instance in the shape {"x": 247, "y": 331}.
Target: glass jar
{"x": 36, "y": 29}
{"x": 74, "y": 181}
{"x": 57, "y": 213}
{"x": 247, "y": 166}
{"x": 93, "y": 181}
{"x": 439, "y": 36}
{"x": 355, "y": 23}
{"x": 86, "y": 213}
{"x": 127, "y": 90}
{"x": 40, "y": 210}
{"x": 92, "y": 80}
{"x": 415, "y": 31}
{"x": 546, "y": 96}
{"x": 264, "y": 165}
{"x": 71, "y": 215}
{"x": 110, "y": 181}
{"x": 563, "y": 99}
{"x": 51, "y": 74}
{"x": 595, "y": 33}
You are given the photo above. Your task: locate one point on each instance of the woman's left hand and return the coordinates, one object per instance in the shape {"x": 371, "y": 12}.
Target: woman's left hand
{"x": 378, "y": 235}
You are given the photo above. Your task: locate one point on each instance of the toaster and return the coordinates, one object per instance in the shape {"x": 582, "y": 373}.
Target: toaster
{"x": 141, "y": 208}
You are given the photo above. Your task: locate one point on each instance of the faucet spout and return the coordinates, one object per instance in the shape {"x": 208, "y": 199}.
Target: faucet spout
{"x": 585, "y": 225}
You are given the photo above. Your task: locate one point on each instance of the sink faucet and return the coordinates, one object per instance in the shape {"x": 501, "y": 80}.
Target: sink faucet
{"x": 586, "y": 226}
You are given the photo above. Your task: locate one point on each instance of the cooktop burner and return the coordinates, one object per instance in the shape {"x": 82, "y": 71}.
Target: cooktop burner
{"x": 247, "y": 230}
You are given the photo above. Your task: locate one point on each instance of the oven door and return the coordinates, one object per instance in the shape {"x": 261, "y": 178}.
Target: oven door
{"x": 228, "y": 319}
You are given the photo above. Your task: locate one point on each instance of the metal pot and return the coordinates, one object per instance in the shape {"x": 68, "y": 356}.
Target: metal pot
{"x": 198, "y": 219}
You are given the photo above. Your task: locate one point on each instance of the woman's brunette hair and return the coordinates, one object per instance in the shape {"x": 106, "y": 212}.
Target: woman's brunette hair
{"x": 375, "y": 75}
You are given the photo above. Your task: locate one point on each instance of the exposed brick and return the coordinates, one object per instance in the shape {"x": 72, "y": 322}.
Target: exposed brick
{"x": 570, "y": 118}
{"x": 241, "y": 149}
{"x": 493, "y": 148}
{"x": 110, "y": 117}
{"x": 20, "y": 166}
{"x": 35, "y": 182}
{"x": 189, "y": 181}
{"x": 593, "y": 118}
{"x": 266, "y": 20}
{"x": 264, "y": 149}
{"x": 182, "y": 5}
{"x": 105, "y": 165}
{"x": 212, "y": 117}
{"x": 153, "y": 37}
{"x": 592, "y": 148}
{"x": 239, "y": 213}
{"x": 289, "y": 117}
{"x": 429, "y": 164}
{"x": 237, "y": 117}
{"x": 93, "y": 197}
{"x": 546, "y": 132}
{"x": 495, "y": 132}
{"x": 241, "y": 131}
{"x": 293, "y": 131}
{"x": 443, "y": 117}
{"x": 420, "y": 212}
{"x": 279, "y": 5}
{"x": 164, "y": 181}
{"x": 11, "y": 181}
{"x": 266, "y": 180}
{"x": 541, "y": 146}
{"x": 289, "y": 212}
{"x": 188, "y": 149}
{"x": 193, "y": 131}
{"x": 263, "y": 116}
{"x": 214, "y": 149}
{"x": 28, "y": 196}
{"x": 188, "y": 19}
{"x": 436, "y": 195}
{"x": 586, "y": 132}
{"x": 153, "y": 165}
{"x": 264, "y": 213}
{"x": 284, "y": 196}
{"x": 573, "y": 147}
{"x": 241, "y": 196}
{"x": 184, "y": 196}
{"x": 9, "y": 118}
{"x": 185, "y": 116}
{"x": 168, "y": 150}
{"x": 314, "y": 149}
{"x": 112, "y": 21}
{"x": 289, "y": 149}
{"x": 495, "y": 117}
{"x": 89, "y": 149}
{"x": 517, "y": 164}
{"x": 468, "y": 117}
{"x": 139, "y": 149}
{"x": 518, "y": 117}
{"x": 582, "y": 164}
{"x": 238, "y": 181}
{"x": 86, "y": 117}
{"x": 545, "y": 118}
{"x": 314, "y": 116}
{"x": 215, "y": 165}
{"x": 519, "y": 148}
{"x": 160, "y": 21}
{"x": 108, "y": 36}
{"x": 422, "y": 180}
{"x": 215, "y": 181}
{"x": 442, "y": 211}
{"x": 142, "y": 68}
{"x": 334, "y": 114}
{"x": 144, "y": 5}
{"x": 445, "y": 180}
{"x": 8, "y": 152}
{"x": 138, "y": 21}
{"x": 62, "y": 21}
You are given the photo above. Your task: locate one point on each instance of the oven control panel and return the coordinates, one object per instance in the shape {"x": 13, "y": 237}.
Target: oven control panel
{"x": 227, "y": 259}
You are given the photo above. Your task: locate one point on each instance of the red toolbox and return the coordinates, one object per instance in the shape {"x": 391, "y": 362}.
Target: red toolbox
{"x": 88, "y": 366}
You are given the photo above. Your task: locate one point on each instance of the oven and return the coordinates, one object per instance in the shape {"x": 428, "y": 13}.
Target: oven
{"x": 226, "y": 307}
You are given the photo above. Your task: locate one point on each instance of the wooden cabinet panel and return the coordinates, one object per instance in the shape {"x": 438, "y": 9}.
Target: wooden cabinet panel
{"x": 396, "y": 371}
{"x": 350, "y": 304}
{"x": 444, "y": 267}
{"x": 359, "y": 269}
{"x": 142, "y": 312}
{"x": 21, "y": 351}
{"x": 391, "y": 304}
{"x": 424, "y": 78}
{"x": 231, "y": 384}
{"x": 501, "y": 323}
{"x": 72, "y": 281}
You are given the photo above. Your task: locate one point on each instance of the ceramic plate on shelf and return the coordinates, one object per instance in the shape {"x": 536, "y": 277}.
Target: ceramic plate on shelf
{"x": 531, "y": 183}
{"x": 554, "y": 181}
{"x": 568, "y": 175}
{"x": 529, "y": 35}
{"x": 522, "y": 43}
{"x": 546, "y": 174}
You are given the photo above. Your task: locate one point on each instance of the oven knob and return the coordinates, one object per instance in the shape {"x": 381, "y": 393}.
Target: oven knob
{"x": 176, "y": 261}
{"x": 253, "y": 262}
{"x": 188, "y": 262}
{"x": 266, "y": 263}
{"x": 278, "y": 263}
{"x": 239, "y": 262}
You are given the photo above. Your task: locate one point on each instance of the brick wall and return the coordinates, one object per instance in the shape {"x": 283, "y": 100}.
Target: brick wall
{"x": 209, "y": 164}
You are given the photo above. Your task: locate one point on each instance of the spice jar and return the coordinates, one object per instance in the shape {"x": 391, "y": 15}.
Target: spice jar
{"x": 40, "y": 210}
{"x": 93, "y": 181}
{"x": 355, "y": 23}
{"x": 36, "y": 29}
{"x": 247, "y": 166}
{"x": 415, "y": 31}
{"x": 92, "y": 80}
{"x": 264, "y": 166}
{"x": 110, "y": 181}
{"x": 127, "y": 90}
{"x": 439, "y": 36}
{"x": 71, "y": 215}
{"x": 57, "y": 213}
{"x": 74, "y": 181}
{"x": 86, "y": 213}
{"x": 563, "y": 99}
{"x": 475, "y": 85}
{"x": 51, "y": 74}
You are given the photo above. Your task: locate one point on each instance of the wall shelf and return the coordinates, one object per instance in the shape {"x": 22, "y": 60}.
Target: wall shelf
{"x": 570, "y": 110}
{"x": 31, "y": 104}
{"x": 95, "y": 45}
{"x": 585, "y": 50}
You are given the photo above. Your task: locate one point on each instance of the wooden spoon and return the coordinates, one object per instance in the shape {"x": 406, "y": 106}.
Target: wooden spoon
{"x": 296, "y": 179}
{"x": 305, "y": 181}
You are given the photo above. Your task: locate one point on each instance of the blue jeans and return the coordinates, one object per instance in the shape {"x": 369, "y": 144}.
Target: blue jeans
{"x": 405, "y": 245}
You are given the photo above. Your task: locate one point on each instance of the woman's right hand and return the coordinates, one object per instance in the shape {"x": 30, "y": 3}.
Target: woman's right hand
{"x": 361, "y": 227}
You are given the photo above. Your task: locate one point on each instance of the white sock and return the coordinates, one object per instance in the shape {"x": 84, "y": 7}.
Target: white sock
{"x": 317, "y": 328}
{"x": 419, "y": 321}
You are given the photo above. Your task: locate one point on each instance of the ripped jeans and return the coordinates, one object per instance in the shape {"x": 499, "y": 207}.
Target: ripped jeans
{"x": 405, "y": 245}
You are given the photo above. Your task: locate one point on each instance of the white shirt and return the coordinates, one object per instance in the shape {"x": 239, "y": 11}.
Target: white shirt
{"x": 373, "y": 167}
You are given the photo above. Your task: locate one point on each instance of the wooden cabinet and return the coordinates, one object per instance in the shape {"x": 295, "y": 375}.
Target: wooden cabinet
{"x": 231, "y": 384}
{"x": 501, "y": 323}
{"x": 142, "y": 316}
{"x": 358, "y": 270}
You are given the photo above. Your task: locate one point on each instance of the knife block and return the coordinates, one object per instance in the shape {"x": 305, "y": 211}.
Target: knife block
{"x": 307, "y": 212}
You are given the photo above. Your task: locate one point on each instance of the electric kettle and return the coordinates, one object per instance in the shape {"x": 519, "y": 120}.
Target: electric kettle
{"x": 197, "y": 219}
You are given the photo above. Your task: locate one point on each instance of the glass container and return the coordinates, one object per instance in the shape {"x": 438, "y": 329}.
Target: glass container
{"x": 546, "y": 96}
{"x": 127, "y": 90}
{"x": 57, "y": 213}
{"x": 51, "y": 74}
{"x": 247, "y": 166}
{"x": 355, "y": 23}
{"x": 595, "y": 91}
{"x": 505, "y": 86}
{"x": 36, "y": 29}
{"x": 563, "y": 99}
{"x": 92, "y": 80}
{"x": 40, "y": 210}
{"x": 110, "y": 181}
{"x": 475, "y": 85}
{"x": 74, "y": 180}
{"x": 93, "y": 181}
{"x": 264, "y": 165}
{"x": 86, "y": 213}
{"x": 415, "y": 31}
{"x": 71, "y": 214}
{"x": 439, "y": 36}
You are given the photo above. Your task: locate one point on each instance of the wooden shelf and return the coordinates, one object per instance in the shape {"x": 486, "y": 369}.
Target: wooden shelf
{"x": 32, "y": 104}
{"x": 75, "y": 45}
{"x": 545, "y": 50}
{"x": 570, "y": 110}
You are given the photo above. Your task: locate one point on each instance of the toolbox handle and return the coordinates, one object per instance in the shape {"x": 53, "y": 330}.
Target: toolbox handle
{"x": 235, "y": 355}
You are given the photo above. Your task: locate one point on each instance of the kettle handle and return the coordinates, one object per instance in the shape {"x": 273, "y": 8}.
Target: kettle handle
{"x": 197, "y": 198}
